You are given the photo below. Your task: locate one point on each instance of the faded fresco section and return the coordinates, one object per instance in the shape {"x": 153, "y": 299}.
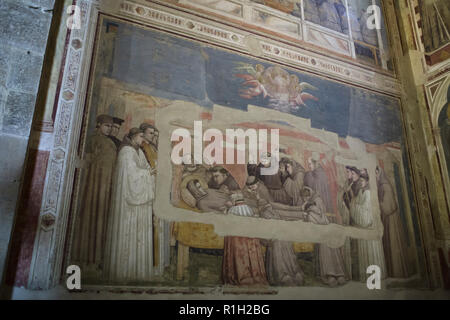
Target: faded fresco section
{"x": 435, "y": 27}
{"x": 338, "y": 203}
{"x": 336, "y": 25}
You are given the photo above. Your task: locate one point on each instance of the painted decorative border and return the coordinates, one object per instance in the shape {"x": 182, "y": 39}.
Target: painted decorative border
{"x": 49, "y": 242}
{"x": 436, "y": 96}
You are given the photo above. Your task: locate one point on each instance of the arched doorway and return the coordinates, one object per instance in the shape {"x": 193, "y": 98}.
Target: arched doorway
{"x": 444, "y": 126}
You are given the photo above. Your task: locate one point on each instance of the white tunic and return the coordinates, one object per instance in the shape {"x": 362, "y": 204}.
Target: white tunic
{"x": 130, "y": 241}
{"x": 370, "y": 252}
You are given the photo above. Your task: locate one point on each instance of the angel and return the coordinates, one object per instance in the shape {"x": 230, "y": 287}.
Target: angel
{"x": 253, "y": 80}
{"x": 283, "y": 89}
{"x": 299, "y": 97}
{"x": 253, "y": 88}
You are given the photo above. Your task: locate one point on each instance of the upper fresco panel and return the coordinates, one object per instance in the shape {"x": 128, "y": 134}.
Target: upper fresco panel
{"x": 352, "y": 29}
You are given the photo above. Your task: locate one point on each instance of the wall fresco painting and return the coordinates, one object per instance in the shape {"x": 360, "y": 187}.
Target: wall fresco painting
{"x": 331, "y": 24}
{"x": 370, "y": 44}
{"x": 274, "y": 22}
{"x": 341, "y": 173}
{"x": 292, "y": 7}
{"x": 228, "y": 7}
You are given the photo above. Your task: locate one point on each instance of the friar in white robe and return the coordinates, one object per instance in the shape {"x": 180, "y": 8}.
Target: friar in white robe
{"x": 130, "y": 238}
{"x": 370, "y": 252}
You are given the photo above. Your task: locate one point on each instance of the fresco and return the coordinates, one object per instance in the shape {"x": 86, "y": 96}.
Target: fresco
{"x": 285, "y": 91}
{"x": 340, "y": 168}
{"x": 436, "y": 24}
{"x": 288, "y": 6}
{"x": 225, "y": 6}
{"x": 371, "y": 45}
{"x": 330, "y": 14}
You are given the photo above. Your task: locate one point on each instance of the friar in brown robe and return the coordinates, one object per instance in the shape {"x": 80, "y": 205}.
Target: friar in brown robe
{"x": 330, "y": 266}
{"x": 243, "y": 261}
{"x": 148, "y": 147}
{"x": 281, "y": 262}
{"x": 293, "y": 175}
{"x": 90, "y": 228}
{"x": 317, "y": 180}
{"x": 117, "y": 123}
{"x": 221, "y": 179}
{"x": 274, "y": 183}
{"x": 394, "y": 240}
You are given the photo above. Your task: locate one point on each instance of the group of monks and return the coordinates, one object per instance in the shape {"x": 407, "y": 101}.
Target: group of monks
{"x": 294, "y": 193}
{"x": 101, "y": 153}
{"x": 291, "y": 194}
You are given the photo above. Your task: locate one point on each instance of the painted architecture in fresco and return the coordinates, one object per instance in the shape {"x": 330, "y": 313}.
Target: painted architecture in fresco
{"x": 341, "y": 165}
{"x": 436, "y": 24}
{"x": 444, "y": 126}
{"x": 337, "y": 24}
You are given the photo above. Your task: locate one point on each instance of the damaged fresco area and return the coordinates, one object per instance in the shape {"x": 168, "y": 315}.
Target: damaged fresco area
{"x": 331, "y": 24}
{"x": 339, "y": 202}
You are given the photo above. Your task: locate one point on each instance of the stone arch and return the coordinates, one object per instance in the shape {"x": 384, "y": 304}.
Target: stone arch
{"x": 441, "y": 124}
{"x": 440, "y": 100}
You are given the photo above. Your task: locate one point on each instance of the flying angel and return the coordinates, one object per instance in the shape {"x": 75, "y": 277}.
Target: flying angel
{"x": 300, "y": 97}
{"x": 252, "y": 84}
{"x": 281, "y": 87}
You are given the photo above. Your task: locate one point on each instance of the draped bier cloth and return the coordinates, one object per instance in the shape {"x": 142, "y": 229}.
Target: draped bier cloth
{"x": 331, "y": 262}
{"x": 129, "y": 245}
{"x": 281, "y": 262}
{"x": 90, "y": 229}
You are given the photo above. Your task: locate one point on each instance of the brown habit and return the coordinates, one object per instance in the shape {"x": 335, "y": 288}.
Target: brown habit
{"x": 90, "y": 231}
{"x": 394, "y": 241}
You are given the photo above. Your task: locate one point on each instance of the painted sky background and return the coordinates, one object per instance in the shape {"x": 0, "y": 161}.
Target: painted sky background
{"x": 161, "y": 65}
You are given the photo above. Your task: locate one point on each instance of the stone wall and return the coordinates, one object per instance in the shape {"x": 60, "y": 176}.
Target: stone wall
{"x": 24, "y": 28}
